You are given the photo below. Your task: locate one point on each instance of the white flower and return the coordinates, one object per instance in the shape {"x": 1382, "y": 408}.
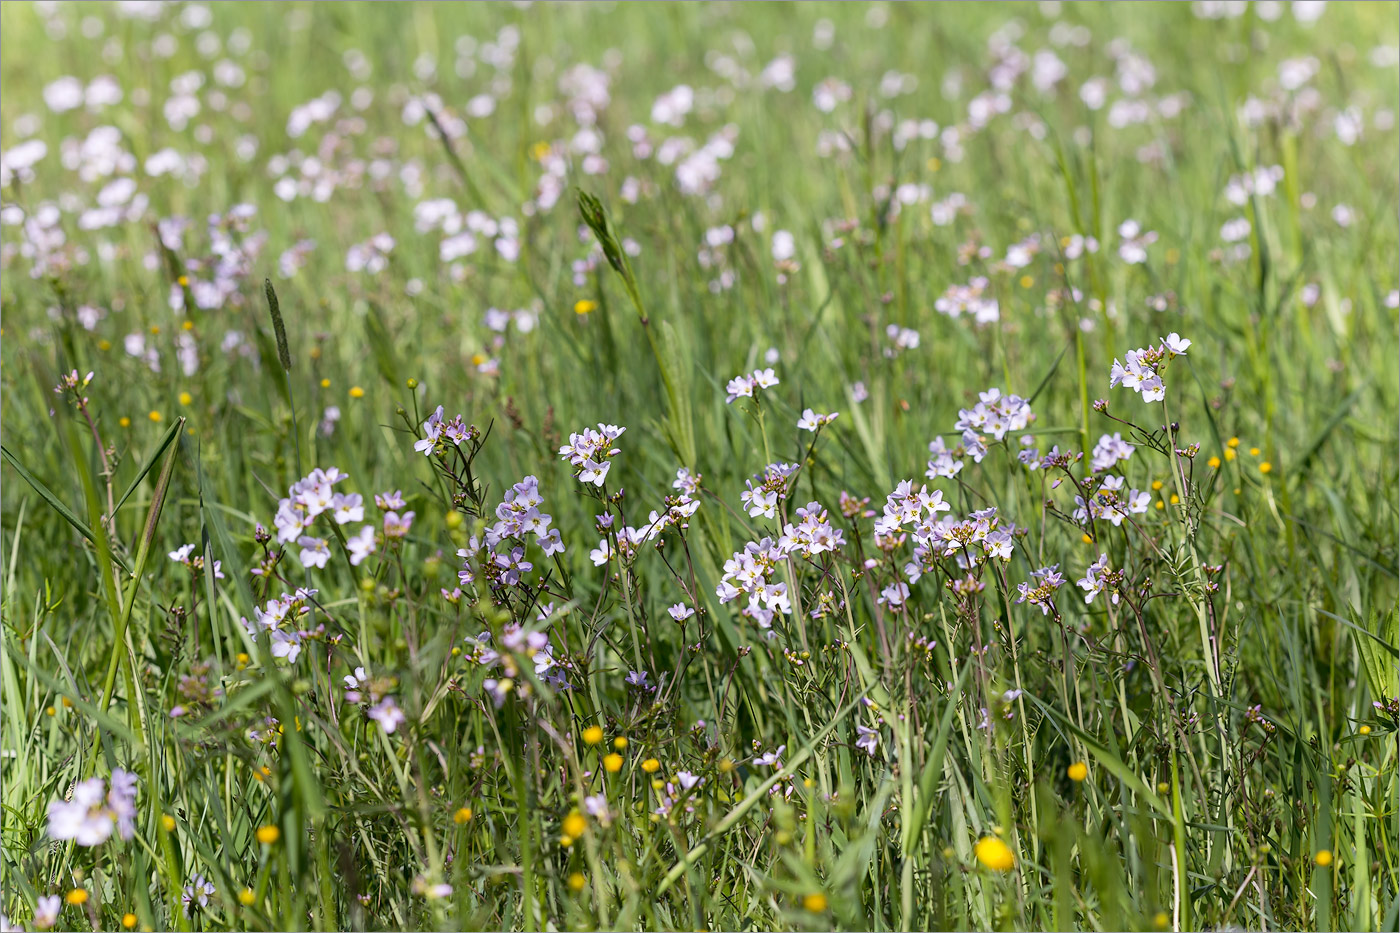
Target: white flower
{"x": 314, "y": 551}
{"x": 362, "y": 545}
{"x": 811, "y": 421}
{"x": 773, "y": 758}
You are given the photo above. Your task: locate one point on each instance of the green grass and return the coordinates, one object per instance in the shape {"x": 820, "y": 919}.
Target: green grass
{"x": 1226, "y": 719}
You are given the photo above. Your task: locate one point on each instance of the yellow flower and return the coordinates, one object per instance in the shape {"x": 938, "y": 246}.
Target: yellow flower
{"x": 104, "y": 345}
{"x": 246, "y": 897}
{"x": 620, "y": 742}
{"x": 1078, "y": 771}
{"x": 357, "y": 392}
{"x": 1364, "y": 730}
{"x": 575, "y": 825}
{"x": 1027, "y": 281}
{"x": 128, "y": 920}
{"x": 994, "y": 854}
{"x": 462, "y": 816}
{"x": 154, "y": 416}
{"x": 1088, "y": 538}
{"x": 612, "y": 763}
{"x": 188, "y": 325}
{"x": 1161, "y": 505}
{"x": 183, "y": 281}
{"x": 814, "y": 903}
{"x": 186, "y": 398}
{"x": 1254, "y": 451}
{"x": 51, "y": 711}
{"x": 77, "y": 897}
{"x": 1323, "y": 858}
{"x": 1175, "y": 499}
{"x": 1163, "y": 787}
{"x": 1213, "y": 463}
{"x": 242, "y": 659}
{"x": 168, "y": 822}
{"x": 1229, "y": 454}
{"x": 124, "y": 421}
{"x": 593, "y": 735}
{"x": 577, "y": 881}
{"x": 1156, "y": 485}
{"x": 1233, "y": 442}
{"x": 585, "y": 306}
{"x": 269, "y": 834}
{"x": 539, "y": 150}
{"x": 1266, "y": 467}
{"x": 651, "y": 765}
{"x": 1160, "y": 920}
{"x": 325, "y": 383}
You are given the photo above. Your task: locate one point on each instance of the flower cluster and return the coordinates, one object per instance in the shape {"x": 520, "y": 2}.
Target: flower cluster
{"x": 279, "y": 618}
{"x": 972, "y": 542}
{"x": 591, "y": 452}
{"x": 436, "y": 433}
{"x": 744, "y": 386}
{"x": 1040, "y": 590}
{"x": 763, "y": 499}
{"x": 1110, "y": 502}
{"x": 994, "y": 414}
{"x": 1109, "y": 452}
{"x": 193, "y": 562}
{"x": 1143, "y": 371}
{"x": 308, "y": 498}
{"x": 971, "y": 299}
{"x": 1098, "y": 578}
{"x": 813, "y": 533}
{"x": 750, "y": 571}
{"x": 93, "y": 811}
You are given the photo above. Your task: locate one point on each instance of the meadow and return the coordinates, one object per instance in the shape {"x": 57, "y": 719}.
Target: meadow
{"x": 699, "y": 466}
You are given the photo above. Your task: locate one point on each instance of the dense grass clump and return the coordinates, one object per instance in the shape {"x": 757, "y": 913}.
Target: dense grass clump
{"x": 724, "y": 466}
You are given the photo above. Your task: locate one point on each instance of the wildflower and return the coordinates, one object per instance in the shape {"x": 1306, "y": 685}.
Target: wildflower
{"x": 1142, "y": 372}
{"x": 994, "y": 854}
{"x": 577, "y": 881}
{"x": 651, "y": 765}
{"x": 811, "y": 421}
{"x": 128, "y": 921}
{"x": 463, "y": 815}
{"x": 1323, "y": 858}
{"x": 197, "y": 894}
{"x": 593, "y": 735}
{"x": 1077, "y": 771}
{"x": 268, "y": 835}
{"x": 585, "y": 306}
{"x": 387, "y": 713}
{"x": 680, "y": 612}
{"x": 426, "y": 889}
{"x": 1109, "y": 451}
{"x": 246, "y": 897}
{"x": 773, "y": 758}
{"x": 362, "y": 545}
{"x": 574, "y": 824}
{"x": 612, "y": 762}
{"x": 315, "y": 552}
{"x": 1266, "y": 467}
{"x": 867, "y": 739}
{"x": 814, "y": 903}
{"x": 591, "y": 452}
{"x": 744, "y": 386}
{"x": 46, "y": 911}
{"x": 89, "y": 817}
{"x": 77, "y": 897}
{"x": 1040, "y": 590}
{"x": 1098, "y": 579}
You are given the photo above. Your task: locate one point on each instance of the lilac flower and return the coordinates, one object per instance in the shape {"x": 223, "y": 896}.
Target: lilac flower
{"x": 811, "y": 421}
{"x": 680, "y": 612}
{"x": 46, "y": 910}
{"x": 314, "y": 551}
{"x": 88, "y": 817}
{"x": 1110, "y": 449}
{"x": 744, "y": 386}
{"x": 771, "y": 759}
{"x": 590, "y": 452}
{"x": 867, "y": 739}
{"x": 1040, "y": 589}
{"x": 396, "y": 525}
{"x": 362, "y": 545}
{"x": 387, "y": 713}
{"x": 196, "y": 894}
{"x": 1098, "y": 579}
{"x": 1142, "y": 371}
